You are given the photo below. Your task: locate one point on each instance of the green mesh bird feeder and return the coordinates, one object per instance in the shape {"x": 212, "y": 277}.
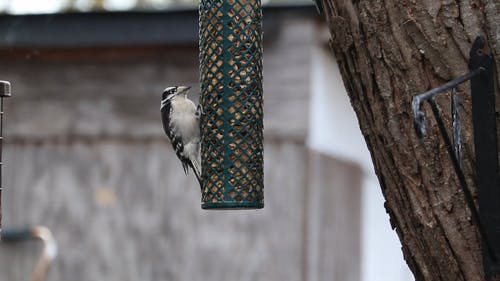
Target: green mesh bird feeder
{"x": 231, "y": 96}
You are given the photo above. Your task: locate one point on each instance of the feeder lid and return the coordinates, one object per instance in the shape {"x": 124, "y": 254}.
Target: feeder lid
{"x": 5, "y": 89}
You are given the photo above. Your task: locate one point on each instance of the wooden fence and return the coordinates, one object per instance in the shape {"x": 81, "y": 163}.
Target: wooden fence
{"x": 86, "y": 156}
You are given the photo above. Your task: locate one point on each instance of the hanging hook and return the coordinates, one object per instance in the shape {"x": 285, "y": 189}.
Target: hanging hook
{"x": 41, "y": 233}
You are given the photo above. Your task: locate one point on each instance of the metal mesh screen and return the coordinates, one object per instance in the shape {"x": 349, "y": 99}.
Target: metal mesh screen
{"x": 231, "y": 96}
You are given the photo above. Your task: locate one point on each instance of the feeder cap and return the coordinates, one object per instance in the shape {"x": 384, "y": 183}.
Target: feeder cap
{"x": 5, "y": 89}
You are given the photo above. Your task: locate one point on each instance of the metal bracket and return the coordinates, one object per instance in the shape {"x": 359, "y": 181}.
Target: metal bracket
{"x": 41, "y": 233}
{"x": 481, "y": 75}
{"x": 486, "y": 148}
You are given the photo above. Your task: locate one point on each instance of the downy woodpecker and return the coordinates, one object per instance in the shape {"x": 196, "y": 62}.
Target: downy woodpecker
{"x": 180, "y": 119}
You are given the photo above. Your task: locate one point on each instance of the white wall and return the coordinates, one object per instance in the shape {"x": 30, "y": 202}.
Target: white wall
{"x": 334, "y": 130}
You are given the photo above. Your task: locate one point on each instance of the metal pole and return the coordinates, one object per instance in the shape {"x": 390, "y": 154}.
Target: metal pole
{"x": 4, "y": 93}
{"x": 486, "y": 149}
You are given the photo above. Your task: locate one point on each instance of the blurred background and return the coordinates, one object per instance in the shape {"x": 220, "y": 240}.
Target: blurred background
{"x": 86, "y": 155}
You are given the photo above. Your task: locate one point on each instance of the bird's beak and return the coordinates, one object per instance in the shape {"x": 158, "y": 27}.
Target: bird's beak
{"x": 183, "y": 89}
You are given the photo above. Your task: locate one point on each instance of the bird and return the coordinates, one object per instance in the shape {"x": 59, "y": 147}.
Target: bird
{"x": 181, "y": 118}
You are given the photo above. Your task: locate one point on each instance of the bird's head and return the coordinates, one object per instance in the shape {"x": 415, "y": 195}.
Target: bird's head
{"x": 171, "y": 92}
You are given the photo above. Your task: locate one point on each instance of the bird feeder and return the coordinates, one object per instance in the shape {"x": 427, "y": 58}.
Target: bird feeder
{"x": 231, "y": 97}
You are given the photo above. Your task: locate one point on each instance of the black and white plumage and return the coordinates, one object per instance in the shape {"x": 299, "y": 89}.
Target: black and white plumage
{"x": 180, "y": 118}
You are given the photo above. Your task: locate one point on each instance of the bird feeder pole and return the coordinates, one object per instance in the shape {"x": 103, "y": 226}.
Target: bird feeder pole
{"x": 4, "y": 93}
{"x": 231, "y": 97}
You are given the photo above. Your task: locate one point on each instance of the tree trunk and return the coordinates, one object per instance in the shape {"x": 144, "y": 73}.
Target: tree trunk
{"x": 388, "y": 51}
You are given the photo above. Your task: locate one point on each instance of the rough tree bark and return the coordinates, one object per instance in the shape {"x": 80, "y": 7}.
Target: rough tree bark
{"x": 388, "y": 51}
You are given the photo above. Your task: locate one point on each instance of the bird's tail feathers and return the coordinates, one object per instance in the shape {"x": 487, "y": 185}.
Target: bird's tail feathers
{"x": 185, "y": 167}
{"x": 195, "y": 165}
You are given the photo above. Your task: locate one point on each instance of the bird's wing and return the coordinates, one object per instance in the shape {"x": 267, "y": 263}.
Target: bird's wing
{"x": 178, "y": 146}
{"x": 176, "y": 140}
{"x": 165, "y": 118}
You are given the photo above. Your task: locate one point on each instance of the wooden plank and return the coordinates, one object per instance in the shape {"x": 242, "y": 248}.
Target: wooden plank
{"x": 334, "y": 219}
{"x": 167, "y": 27}
{"x": 87, "y": 157}
{"x": 121, "y": 95}
{"x": 127, "y": 212}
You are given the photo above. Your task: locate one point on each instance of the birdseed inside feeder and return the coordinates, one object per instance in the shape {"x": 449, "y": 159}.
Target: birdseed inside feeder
{"x": 231, "y": 96}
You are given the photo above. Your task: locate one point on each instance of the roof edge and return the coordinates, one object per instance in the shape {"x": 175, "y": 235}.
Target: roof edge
{"x": 130, "y": 28}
